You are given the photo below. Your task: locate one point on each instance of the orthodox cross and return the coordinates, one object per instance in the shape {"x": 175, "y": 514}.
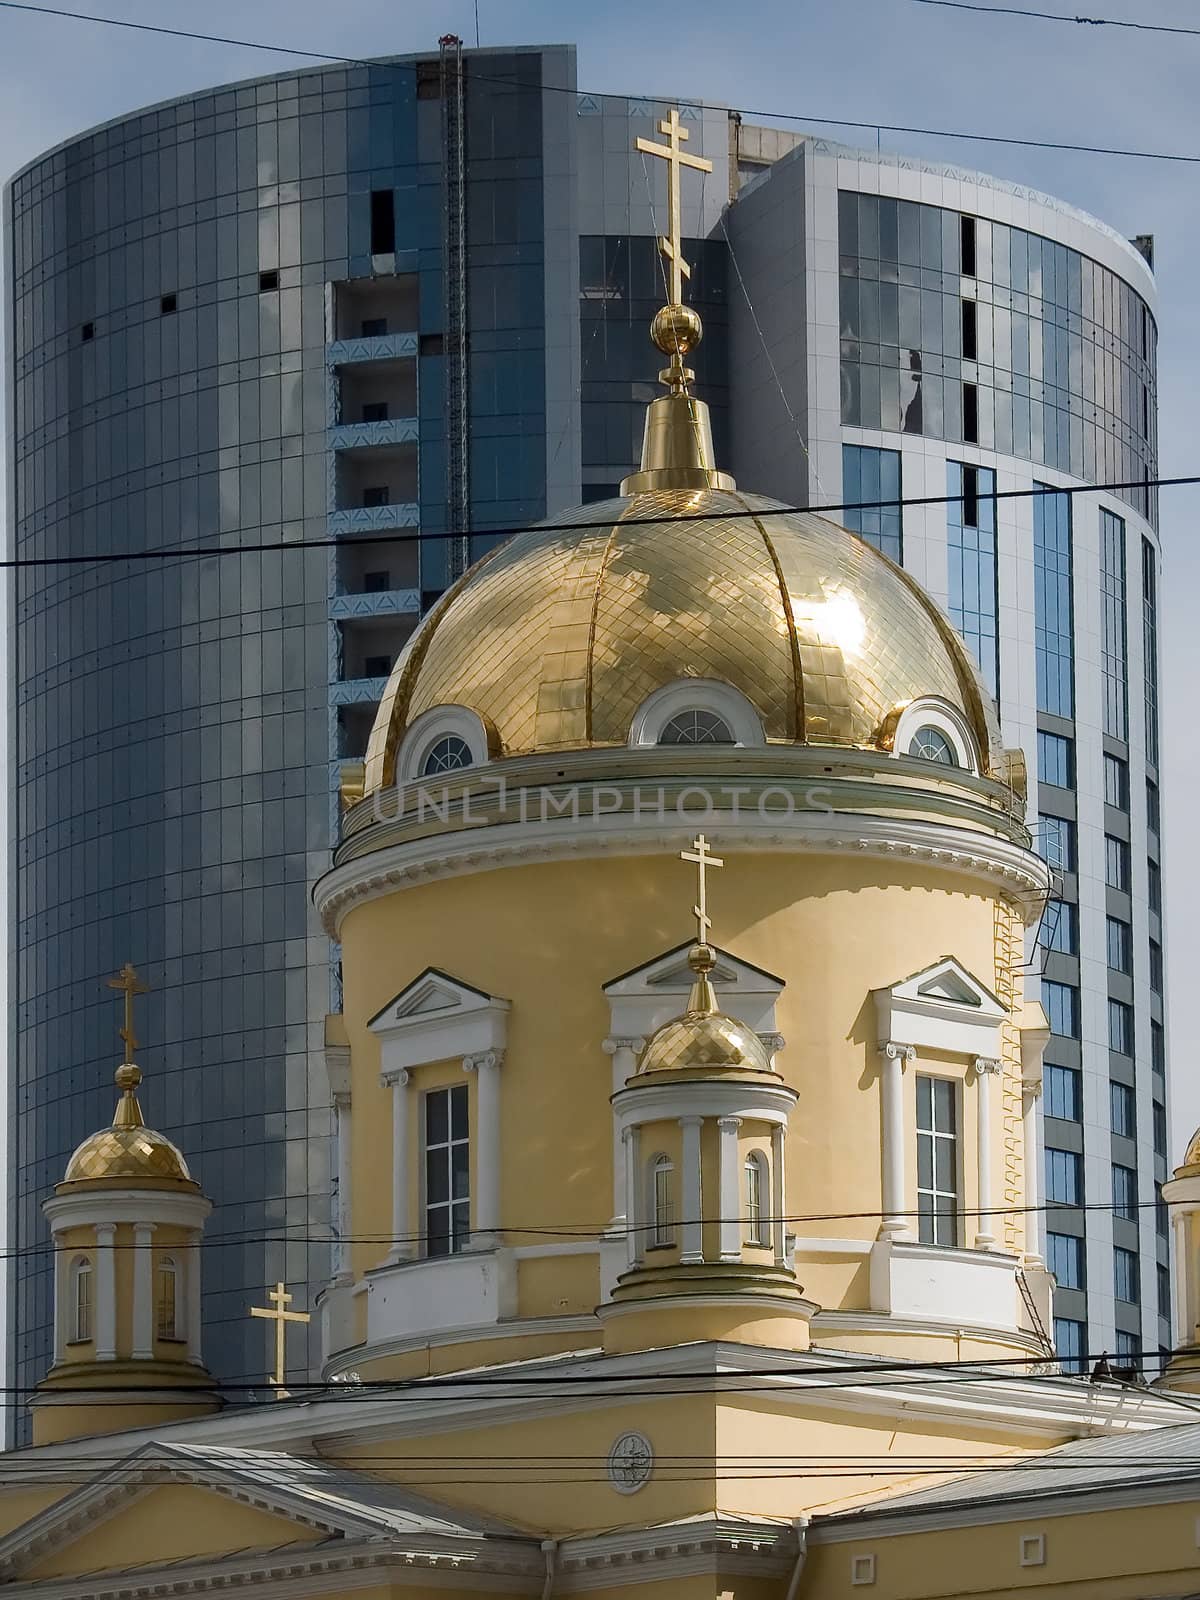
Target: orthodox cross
{"x": 699, "y": 854}
{"x": 671, "y": 244}
{"x": 280, "y": 1299}
{"x": 127, "y": 981}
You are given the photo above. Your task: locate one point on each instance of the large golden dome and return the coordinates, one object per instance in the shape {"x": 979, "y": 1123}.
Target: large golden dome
{"x": 555, "y": 639}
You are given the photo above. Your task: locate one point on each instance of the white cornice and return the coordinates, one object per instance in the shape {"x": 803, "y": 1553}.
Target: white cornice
{"x": 1003, "y": 865}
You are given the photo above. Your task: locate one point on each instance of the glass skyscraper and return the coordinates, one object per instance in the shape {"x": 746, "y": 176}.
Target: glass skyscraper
{"x": 403, "y": 307}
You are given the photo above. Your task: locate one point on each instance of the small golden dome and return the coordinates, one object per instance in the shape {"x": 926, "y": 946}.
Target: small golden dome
{"x": 128, "y": 1149}
{"x": 704, "y": 1037}
{"x": 1190, "y": 1166}
{"x": 556, "y": 638}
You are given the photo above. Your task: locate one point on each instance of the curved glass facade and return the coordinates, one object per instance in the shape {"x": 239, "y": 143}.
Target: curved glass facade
{"x": 964, "y": 329}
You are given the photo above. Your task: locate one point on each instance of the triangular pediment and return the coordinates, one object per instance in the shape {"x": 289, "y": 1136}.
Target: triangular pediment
{"x": 943, "y": 1007}
{"x": 948, "y": 983}
{"x": 179, "y": 1504}
{"x": 671, "y": 971}
{"x": 645, "y": 997}
{"x": 435, "y": 994}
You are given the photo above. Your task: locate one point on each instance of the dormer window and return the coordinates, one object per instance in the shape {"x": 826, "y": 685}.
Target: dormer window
{"x": 931, "y": 729}
{"x": 696, "y": 727}
{"x": 447, "y": 754}
{"x": 931, "y": 744}
{"x": 443, "y": 740}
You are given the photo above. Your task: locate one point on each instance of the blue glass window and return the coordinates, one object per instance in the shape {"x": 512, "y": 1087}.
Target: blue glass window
{"x": 1116, "y": 863}
{"x": 1054, "y": 621}
{"x": 971, "y": 554}
{"x": 1116, "y": 783}
{"x": 871, "y": 476}
{"x": 1068, "y": 1344}
{"x": 1125, "y": 1275}
{"x": 1059, "y": 928}
{"x": 1055, "y": 842}
{"x": 1064, "y": 1092}
{"x": 1064, "y": 1181}
{"x": 1120, "y": 945}
{"x": 1112, "y": 620}
{"x": 1065, "y": 1258}
{"x": 1056, "y": 760}
{"x": 1061, "y": 1001}
{"x": 1124, "y": 1192}
{"x": 1122, "y": 1110}
{"x": 1120, "y": 1027}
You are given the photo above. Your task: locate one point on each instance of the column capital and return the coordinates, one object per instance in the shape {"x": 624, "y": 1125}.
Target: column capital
{"x": 105, "y": 1232}
{"x": 903, "y": 1053}
{"x": 729, "y": 1122}
{"x": 694, "y": 1120}
{"x": 772, "y": 1042}
{"x": 144, "y": 1227}
{"x": 623, "y": 1041}
{"x": 987, "y": 1065}
{"x": 483, "y": 1061}
{"x": 400, "y": 1079}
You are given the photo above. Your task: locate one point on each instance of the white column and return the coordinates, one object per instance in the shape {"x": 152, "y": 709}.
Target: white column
{"x": 729, "y": 1188}
{"x": 403, "y": 1246}
{"x": 191, "y": 1297}
{"x": 634, "y": 1220}
{"x": 986, "y": 1068}
{"x": 778, "y": 1196}
{"x": 106, "y": 1293}
{"x": 624, "y": 1053}
{"x": 62, "y": 1306}
{"x": 691, "y": 1198}
{"x": 1031, "y": 1138}
{"x": 895, "y": 1224}
{"x": 485, "y": 1234}
{"x": 143, "y": 1292}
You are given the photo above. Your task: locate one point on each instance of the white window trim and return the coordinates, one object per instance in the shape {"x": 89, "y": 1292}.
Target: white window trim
{"x": 947, "y": 719}
{"x": 81, "y": 1269}
{"x": 696, "y": 694}
{"x": 759, "y": 1236}
{"x": 433, "y": 725}
{"x": 662, "y": 1231}
{"x": 955, "y": 1138}
{"x": 167, "y": 1264}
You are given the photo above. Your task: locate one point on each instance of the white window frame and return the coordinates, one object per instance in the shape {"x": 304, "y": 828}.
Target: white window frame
{"x": 756, "y": 1199}
{"x": 933, "y": 712}
{"x": 82, "y": 1327}
{"x": 166, "y": 1267}
{"x": 433, "y": 725}
{"x": 935, "y": 1134}
{"x": 456, "y": 1246}
{"x": 660, "y": 1175}
{"x": 696, "y": 694}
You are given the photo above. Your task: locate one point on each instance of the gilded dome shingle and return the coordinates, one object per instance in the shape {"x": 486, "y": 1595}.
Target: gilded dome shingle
{"x": 556, "y": 638}
{"x": 127, "y": 1153}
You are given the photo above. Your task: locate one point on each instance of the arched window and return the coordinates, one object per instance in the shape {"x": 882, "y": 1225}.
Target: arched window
{"x": 662, "y": 1200}
{"x": 166, "y": 1298}
{"x": 81, "y": 1299}
{"x": 931, "y": 744}
{"x": 696, "y": 726}
{"x": 754, "y": 1182}
{"x": 447, "y": 754}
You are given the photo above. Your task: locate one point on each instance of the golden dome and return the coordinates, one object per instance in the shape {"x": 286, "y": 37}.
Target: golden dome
{"x": 128, "y": 1149}
{"x": 704, "y": 1037}
{"x": 1190, "y": 1165}
{"x": 556, "y": 638}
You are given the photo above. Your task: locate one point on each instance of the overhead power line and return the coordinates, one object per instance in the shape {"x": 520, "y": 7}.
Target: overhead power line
{"x": 416, "y": 536}
{"x": 334, "y": 58}
{"x": 1060, "y": 16}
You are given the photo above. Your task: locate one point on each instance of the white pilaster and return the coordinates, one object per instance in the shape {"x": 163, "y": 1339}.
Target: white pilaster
{"x": 778, "y": 1196}
{"x": 62, "y": 1308}
{"x": 690, "y": 1191}
{"x": 402, "y": 1248}
{"x": 730, "y": 1189}
{"x": 624, "y": 1051}
{"x": 1031, "y": 1132}
{"x": 191, "y": 1297}
{"x": 633, "y": 1191}
{"x": 143, "y": 1291}
{"x": 106, "y": 1293}
{"x": 485, "y": 1235}
{"x": 895, "y": 1057}
{"x": 986, "y": 1068}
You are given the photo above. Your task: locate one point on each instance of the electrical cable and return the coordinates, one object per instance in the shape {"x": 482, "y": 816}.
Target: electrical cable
{"x": 161, "y": 553}
{"x": 336, "y": 59}
{"x": 1060, "y": 16}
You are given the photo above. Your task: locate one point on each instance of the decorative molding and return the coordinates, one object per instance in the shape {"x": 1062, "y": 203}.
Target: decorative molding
{"x": 483, "y": 1061}
{"x": 633, "y": 1041}
{"x": 369, "y": 435}
{"x": 630, "y": 1462}
{"x": 986, "y": 1065}
{"x": 437, "y": 1017}
{"x": 943, "y": 1007}
{"x": 906, "y": 1054}
{"x": 381, "y": 347}
{"x": 696, "y": 694}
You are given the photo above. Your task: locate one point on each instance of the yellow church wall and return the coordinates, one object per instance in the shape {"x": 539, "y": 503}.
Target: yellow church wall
{"x": 558, "y": 1286}
{"x": 1114, "y": 1554}
{"x": 548, "y": 935}
{"x": 174, "y": 1522}
{"x": 18, "y": 1505}
{"x": 700, "y": 1586}
{"x": 54, "y": 1423}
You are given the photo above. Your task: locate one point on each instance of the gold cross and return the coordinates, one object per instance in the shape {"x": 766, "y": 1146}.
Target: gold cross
{"x": 671, "y": 244}
{"x": 127, "y": 981}
{"x": 699, "y": 854}
{"x": 280, "y": 1316}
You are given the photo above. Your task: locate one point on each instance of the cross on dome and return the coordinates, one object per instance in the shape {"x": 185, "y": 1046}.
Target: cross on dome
{"x": 699, "y": 853}
{"x": 671, "y": 243}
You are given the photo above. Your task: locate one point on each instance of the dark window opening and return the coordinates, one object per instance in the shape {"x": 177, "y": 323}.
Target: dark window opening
{"x": 383, "y": 222}
{"x": 88, "y": 331}
{"x": 377, "y": 494}
{"x": 376, "y": 582}
{"x": 968, "y": 246}
{"x": 167, "y": 305}
{"x": 373, "y": 327}
{"x": 376, "y": 666}
{"x": 1145, "y": 412}
{"x": 429, "y": 80}
{"x": 970, "y": 335}
{"x": 970, "y": 497}
{"x": 970, "y": 399}
{"x": 432, "y": 344}
{"x": 375, "y": 411}
{"x": 268, "y": 280}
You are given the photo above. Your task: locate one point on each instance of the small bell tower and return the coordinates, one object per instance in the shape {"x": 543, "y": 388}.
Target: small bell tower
{"x": 126, "y": 1221}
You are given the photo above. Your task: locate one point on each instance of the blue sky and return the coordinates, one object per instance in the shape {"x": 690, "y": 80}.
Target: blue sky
{"x": 897, "y": 61}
